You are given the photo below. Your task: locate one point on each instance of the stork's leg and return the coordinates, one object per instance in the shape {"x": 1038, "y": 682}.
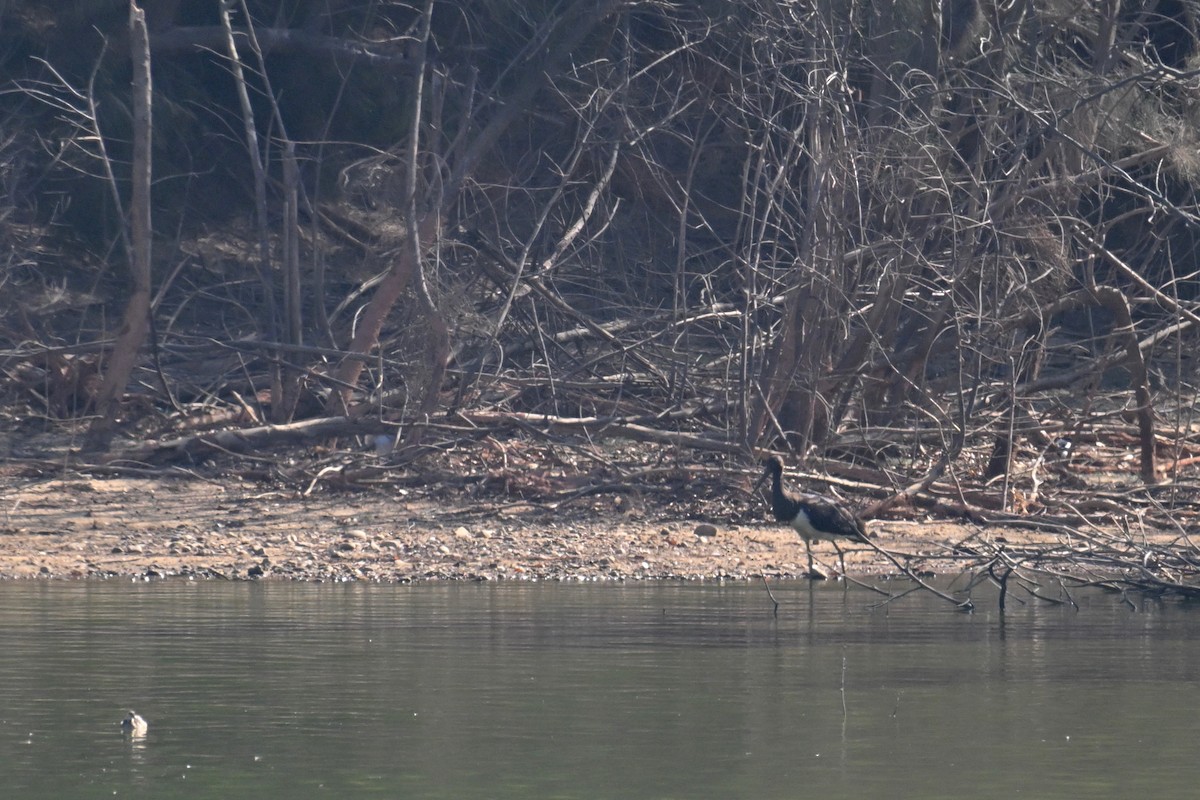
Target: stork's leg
{"x": 841, "y": 559}
{"x": 813, "y": 573}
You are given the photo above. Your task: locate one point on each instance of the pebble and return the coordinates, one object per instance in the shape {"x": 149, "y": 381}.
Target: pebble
{"x": 404, "y": 549}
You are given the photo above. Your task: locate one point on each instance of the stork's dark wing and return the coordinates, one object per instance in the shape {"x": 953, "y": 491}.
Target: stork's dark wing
{"x": 826, "y": 515}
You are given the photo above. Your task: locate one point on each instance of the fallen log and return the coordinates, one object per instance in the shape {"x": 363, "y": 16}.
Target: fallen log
{"x": 244, "y": 440}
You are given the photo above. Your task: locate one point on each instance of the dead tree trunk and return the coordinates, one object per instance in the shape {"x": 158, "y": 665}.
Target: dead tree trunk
{"x": 1116, "y": 302}
{"x": 250, "y": 130}
{"x": 565, "y": 33}
{"x": 136, "y": 322}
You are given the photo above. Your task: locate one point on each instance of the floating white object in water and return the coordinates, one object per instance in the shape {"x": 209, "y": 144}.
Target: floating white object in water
{"x": 134, "y": 724}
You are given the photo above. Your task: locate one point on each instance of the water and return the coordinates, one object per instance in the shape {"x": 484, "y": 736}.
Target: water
{"x": 550, "y": 691}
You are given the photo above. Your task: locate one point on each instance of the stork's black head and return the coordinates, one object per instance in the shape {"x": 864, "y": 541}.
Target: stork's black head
{"x": 774, "y": 465}
{"x": 774, "y": 470}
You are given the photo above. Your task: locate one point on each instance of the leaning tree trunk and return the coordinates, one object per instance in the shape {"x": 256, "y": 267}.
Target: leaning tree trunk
{"x": 136, "y": 323}
{"x": 564, "y": 35}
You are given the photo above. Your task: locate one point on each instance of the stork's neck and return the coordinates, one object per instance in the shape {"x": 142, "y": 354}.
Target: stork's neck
{"x": 782, "y": 506}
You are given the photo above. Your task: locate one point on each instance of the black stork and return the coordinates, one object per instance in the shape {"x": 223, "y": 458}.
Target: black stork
{"x": 813, "y": 516}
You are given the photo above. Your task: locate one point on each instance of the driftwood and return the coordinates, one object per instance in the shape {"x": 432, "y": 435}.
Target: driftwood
{"x": 625, "y": 428}
{"x": 243, "y": 441}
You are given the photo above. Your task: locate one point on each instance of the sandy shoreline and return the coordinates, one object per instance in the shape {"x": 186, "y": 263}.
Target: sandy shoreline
{"x": 82, "y": 527}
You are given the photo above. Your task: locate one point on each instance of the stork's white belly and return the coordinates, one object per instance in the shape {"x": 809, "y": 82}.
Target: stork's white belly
{"x": 804, "y": 527}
